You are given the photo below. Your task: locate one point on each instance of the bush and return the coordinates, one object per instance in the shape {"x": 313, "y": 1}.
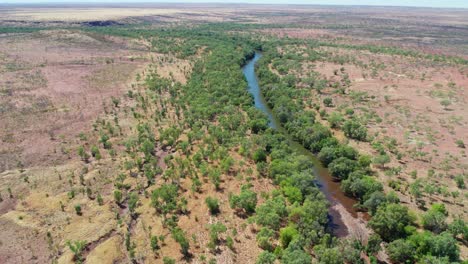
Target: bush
{"x": 154, "y": 243}
{"x": 259, "y": 156}
{"x": 360, "y": 186}
{"x": 179, "y": 236}
{"x": 434, "y": 220}
{"x": 78, "y": 209}
{"x": 215, "y": 230}
{"x": 401, "y": 251}
{"x": 77, "y": 247}
{"x": 329, "y": 255}
{"x": 266, "y": 258}
{"x": 95, "y": 152}
{"x": 342, "y": 167}
{"x": 335, "y": 120}
{"x": 295, "y": 256}
{"x": 288, "y": 234}
{"x": 355, "y": 130}
{"x": 328, "y": 102}
{"x": 460, "y": 143}
{"x": 213, "y": 205}
{"x": 265, "y": 237}
{"x": 271, "y": 212}
{"x": 390, "y": 221}
{"x": 118, "y": 196}
{"x": 458, "y": 227}
{"x": 246, "y": 200}
{"x": 460, "y": 181}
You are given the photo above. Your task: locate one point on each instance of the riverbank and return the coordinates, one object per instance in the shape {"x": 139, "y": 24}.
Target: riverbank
{"x": 344, "y": 219}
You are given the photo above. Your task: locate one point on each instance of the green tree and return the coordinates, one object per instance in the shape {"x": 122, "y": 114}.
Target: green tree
{"x": 295, "y": 256}
{"x": 381, "y": 160}
{"x": 265, "y": 238}
{"x": 245, "y": 201}
{"x": 164, "y": 198}
{"x": 259, "y": 155}
{"x": 435, "y": 220}
{"x": 327, "y": 255}
{"x": 271, "y": 212}
{"x": 401, "y": 251}
{"x": 342, "y": 167}
{"x": 287, "y": 234}
{"x": 458, "y": 227}
{"x": 266, "y": 258}
{"x": 390, "y": 221}
{"x": 355, "y": 130}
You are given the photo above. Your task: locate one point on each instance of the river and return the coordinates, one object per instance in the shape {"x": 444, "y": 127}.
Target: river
{"x": 343, "y": 216}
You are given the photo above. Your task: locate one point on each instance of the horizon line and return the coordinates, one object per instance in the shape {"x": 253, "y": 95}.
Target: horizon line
{"x": 110, "y": 3}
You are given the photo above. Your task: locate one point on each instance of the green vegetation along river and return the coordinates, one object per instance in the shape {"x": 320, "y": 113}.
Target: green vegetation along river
{"x": 327, "y": 185}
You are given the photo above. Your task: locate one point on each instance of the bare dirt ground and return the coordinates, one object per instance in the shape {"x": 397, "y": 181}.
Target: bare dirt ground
{"x": 53, "y": 84}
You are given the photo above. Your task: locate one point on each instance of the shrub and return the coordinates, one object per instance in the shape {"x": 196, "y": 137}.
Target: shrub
{"x": 328, "y": 102}
{"x": 266, "y": 258}
{"x": 342, "y": 167}
{"x": 118, "y": 196}
{"x": 271, "y": 212}
{"x": 259, "y": 155}
{"x": 77, "y": 247}
{"x": 168, "y": 260}
{"x": 265, "y": 237}
{"x": 288, "y": 234}
{"x": 230, "y": 243}
{"x": 83, "y": 154}
{"x": 132, "y": 203}
{"x": 335, "y": 119}
{"x": 434, "y": 220}
{"x": 460, "y": 181}
{"x": 213, "y": 205}
{"x": 390, "y": 221}
{"x": 295, "y": 256}
{"x": 95, "y": 152}
{"x": 246, "y": 200}
{"x": 460, "y": 143}
{"x": 355, "y": 130}
{"x": 401, "y": 251}
{"x": 78, "y": 209}
{"x": 179, "y": 236}
{"x": 215, "y": 230}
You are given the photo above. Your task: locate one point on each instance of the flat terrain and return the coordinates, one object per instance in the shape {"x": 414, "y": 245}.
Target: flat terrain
{"x": 53, "y": 85}
{"x": 97, "y": 101}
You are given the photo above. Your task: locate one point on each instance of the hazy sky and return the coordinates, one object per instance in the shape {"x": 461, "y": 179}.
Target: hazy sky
{"x": 427, "y": 3}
